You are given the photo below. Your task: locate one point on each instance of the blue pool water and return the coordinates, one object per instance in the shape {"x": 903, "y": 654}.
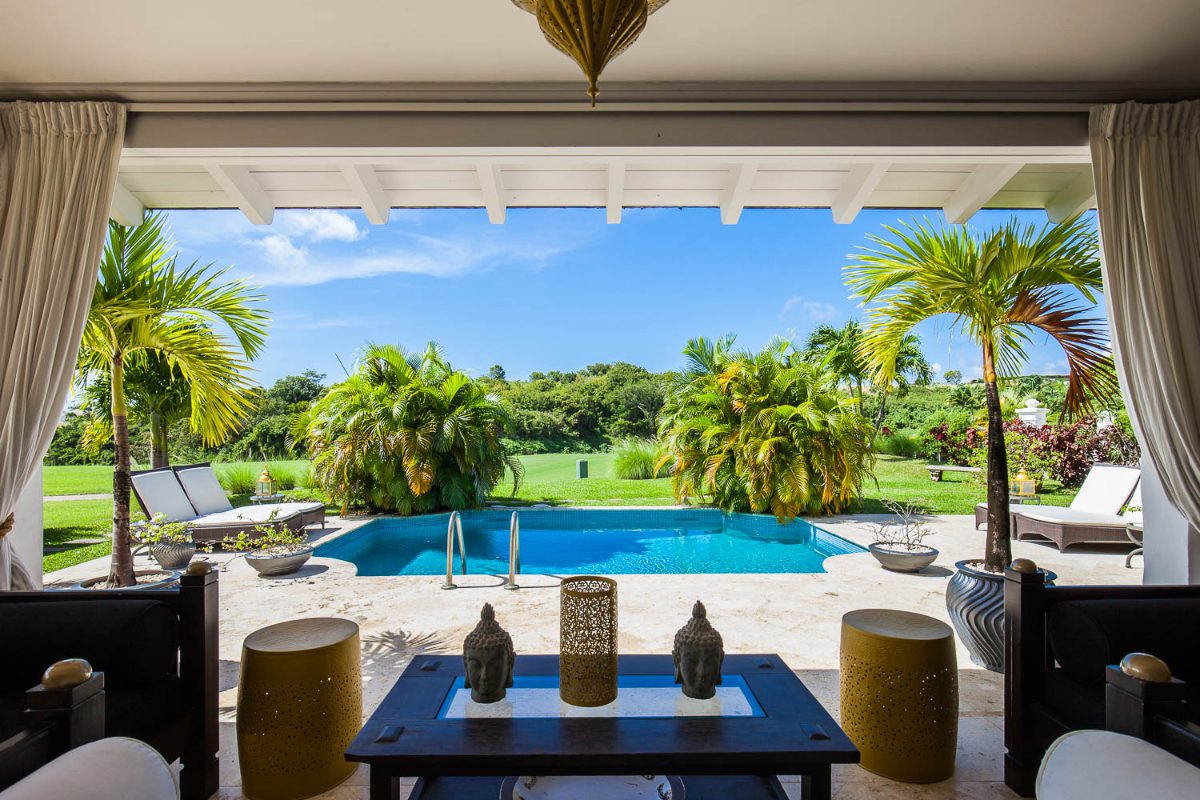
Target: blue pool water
{"x": 591, "y": 541}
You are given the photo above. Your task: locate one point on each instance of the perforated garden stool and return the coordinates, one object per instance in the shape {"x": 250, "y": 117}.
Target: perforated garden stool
{"x": 899, "y": 686}
{"x": 299, "y": 707}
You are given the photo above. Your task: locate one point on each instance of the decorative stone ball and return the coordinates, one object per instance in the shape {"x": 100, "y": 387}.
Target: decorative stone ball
{"x": 1024, "y": 566}
{"x": 1146, "y": 667}
{"x": 199, "y": 568}
{"x": 66, "y": 674}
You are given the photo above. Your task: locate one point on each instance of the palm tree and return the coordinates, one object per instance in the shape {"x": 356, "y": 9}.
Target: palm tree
{"x": 765, "y": 431}
{"x": 408, "y": 433}
{"x": 144, "y": 307}
{"x": 999, "y": 286}
{"x": 157, "y": 394}
{"x": 838, "y": 350}
{"x": 911, "y": 367}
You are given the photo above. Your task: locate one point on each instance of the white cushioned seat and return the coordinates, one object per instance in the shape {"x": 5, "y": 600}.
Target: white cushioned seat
{"x": 109, "y": 769}
{"x": 251, "y": 515}
{"x": 161, "y": 494}
{"x": 1102, "y": 765}
{"x": 1106, "y": 490}
{"x": 1070, "y": 516}
{"x": 204, "y": 490}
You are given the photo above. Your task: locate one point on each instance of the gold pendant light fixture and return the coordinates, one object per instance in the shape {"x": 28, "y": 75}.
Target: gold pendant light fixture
{"x": 591, "y": 32}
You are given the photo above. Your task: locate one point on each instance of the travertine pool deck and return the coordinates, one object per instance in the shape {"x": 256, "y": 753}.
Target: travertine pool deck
{"x": 795, "y": 615}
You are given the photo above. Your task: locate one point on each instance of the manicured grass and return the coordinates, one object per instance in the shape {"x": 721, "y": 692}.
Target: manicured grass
{"x": 906, "y": 481}
{"x": 97, "y": 479}
{"x": 76, "y": 519}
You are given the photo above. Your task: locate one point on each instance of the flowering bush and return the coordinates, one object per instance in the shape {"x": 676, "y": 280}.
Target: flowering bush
{"x": 953, "y": 442}
{"x": 1062, "y": 452}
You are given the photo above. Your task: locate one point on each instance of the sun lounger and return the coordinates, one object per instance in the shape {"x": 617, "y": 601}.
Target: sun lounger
{"x": 1067, "y": 526}
{"x": 1106, "y": 490}
{"x": 193, "y": 494}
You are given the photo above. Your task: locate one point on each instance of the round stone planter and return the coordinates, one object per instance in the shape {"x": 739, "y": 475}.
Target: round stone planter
{"x": 271, "y": 565}
{"x": 169, "y": 579}
{"x": 173, "y": 556}
{"x": 975, "y": 602}
{"x": 898, "y": 558}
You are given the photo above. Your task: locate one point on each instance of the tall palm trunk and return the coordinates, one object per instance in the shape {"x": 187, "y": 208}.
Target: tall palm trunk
{"x": 121, "y": 571}
{"x": 858, "y": 383}
{"x": 999, "y": 547}
{"x": 879, "y": 415}
{"x": 159, "y": 456}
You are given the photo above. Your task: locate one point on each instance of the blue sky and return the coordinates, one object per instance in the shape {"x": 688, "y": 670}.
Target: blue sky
{"x": 553, "y": 289}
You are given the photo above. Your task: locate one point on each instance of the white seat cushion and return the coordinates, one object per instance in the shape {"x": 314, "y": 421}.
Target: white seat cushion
{"x": 204, "y": 490}
{"x": 1106, "y": 489}
{"x": 161, "y": 494}
{"x": 1102, "y": 765}
{"x": 1070, "y": 516}
{"x": 109, "y": 769}
{"x": 253, "y": 515}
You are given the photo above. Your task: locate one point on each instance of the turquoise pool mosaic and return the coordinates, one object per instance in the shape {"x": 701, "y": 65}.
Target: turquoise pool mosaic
{"x": 593, "y": 541}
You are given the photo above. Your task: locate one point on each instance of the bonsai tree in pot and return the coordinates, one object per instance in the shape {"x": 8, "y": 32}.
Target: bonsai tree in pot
{"x": 271, "y": 548}
{"x": 1000, "y": 287}
{"x": 899, "y": 546}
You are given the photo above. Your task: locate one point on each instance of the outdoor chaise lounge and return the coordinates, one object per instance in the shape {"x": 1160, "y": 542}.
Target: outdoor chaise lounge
{"x": 1066, "y": 526}
{"x": 1103, "y": 496}
{"x": 193, "y": 494}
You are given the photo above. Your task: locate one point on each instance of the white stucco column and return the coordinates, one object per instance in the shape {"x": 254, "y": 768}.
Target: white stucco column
{"x": 26, "y": 536}
{"x": 1172, "y": 547}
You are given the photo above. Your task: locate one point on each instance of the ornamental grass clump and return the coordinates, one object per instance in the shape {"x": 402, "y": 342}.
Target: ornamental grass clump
{"x": 763, "y": 432}
{"x": 638, "y": 460}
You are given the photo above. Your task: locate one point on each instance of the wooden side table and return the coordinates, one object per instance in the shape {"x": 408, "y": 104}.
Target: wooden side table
{"x": 299, "y": 707}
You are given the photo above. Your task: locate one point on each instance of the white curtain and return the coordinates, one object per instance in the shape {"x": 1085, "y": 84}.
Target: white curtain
{"x": 58, "y": 166}
{"x": 1146, "y": 160}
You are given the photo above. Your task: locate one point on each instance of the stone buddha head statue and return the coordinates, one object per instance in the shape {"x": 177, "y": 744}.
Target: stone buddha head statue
{"x": 699, "y": 654}
{"x": 488, "y": 658}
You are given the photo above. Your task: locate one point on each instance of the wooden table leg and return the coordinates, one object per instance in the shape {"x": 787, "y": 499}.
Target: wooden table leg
{"x": 818, "y": 784}
{"x": 384, "y": 786}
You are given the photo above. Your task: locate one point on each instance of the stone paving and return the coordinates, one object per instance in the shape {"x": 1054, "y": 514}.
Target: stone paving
{"x": 797, "y": 616}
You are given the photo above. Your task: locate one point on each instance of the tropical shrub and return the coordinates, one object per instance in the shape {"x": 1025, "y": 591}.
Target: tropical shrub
{"x": 763, "y": 431}
{"x": 407, "y": 433}
{"x": 638, "y": 460}
{"x": 906, "y": 444}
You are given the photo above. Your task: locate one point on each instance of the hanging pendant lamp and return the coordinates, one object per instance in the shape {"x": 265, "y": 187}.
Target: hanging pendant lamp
{"x": 591, "y": 32}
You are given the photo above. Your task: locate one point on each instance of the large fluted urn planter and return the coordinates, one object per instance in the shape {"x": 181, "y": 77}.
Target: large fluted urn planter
{"x": 975, "y": 602}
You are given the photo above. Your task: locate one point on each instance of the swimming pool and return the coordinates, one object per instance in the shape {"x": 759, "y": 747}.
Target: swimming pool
{"x": 592, "y": 541}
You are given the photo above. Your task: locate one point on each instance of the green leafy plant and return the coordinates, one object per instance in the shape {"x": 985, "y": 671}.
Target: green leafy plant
{"x": 408, "y": 433}
{"x": 638, "y": 460}
{"x": 1000, "y": 287}
{"x": 268, "y": 538}
{"x": 906, "y": 444}
{"x": 161, "y": 531}
{"x": 765, "y": 431}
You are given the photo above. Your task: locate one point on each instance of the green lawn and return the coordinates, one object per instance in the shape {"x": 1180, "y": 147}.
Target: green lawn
{"x": 97, "y": 479}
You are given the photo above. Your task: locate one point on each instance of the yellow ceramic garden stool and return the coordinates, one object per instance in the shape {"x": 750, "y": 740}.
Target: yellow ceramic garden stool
{"x": 299, "y": 706}
{"x": 899, "y": 686}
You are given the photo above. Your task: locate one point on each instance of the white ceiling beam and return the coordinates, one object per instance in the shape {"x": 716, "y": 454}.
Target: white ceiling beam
{"x": 125, "y": 208}
{"x": 1076, "y": 197}
{"x": 364, "y": 184}
{"x": 244, "y": 191}
{"x": 979, "y": 187}
{"x": 616, "y": 192}
{"x": 491, "y": 185}
{"x": 861, "y": 182}
{"x": 741, "y": 178}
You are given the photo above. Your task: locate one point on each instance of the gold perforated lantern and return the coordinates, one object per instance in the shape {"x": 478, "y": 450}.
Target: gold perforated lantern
{"x": 265, "y": 486}
{"x": 591, "y": 32}
{"x": 587, "y": 658}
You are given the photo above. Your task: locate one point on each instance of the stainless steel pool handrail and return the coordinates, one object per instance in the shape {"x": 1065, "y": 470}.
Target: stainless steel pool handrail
{"x": 514, "y": 551}
{"x": 454, "y": 524}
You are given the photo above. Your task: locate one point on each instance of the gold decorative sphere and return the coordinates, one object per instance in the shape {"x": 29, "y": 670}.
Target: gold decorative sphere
{"x": 1024, "y": 566}
{"x": 66, "y": 674}
{"x": 199, "y": 568}
{"x": 1146, "y": 667}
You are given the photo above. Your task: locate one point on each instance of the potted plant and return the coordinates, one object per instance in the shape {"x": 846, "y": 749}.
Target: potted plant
{"x": 898, "y": 545}
{"x": 170, "y": 543}
{"x": 998, "y": 286}
{"x": 271, "y": 548}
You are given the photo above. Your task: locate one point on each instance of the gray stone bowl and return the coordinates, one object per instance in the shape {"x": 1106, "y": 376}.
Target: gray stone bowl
{"x": 899, "y": 558}
{"x": 271, "y": 565}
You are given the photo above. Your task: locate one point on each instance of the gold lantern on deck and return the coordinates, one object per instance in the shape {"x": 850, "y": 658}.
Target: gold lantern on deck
{"x": 591, "y": 32}
{"x": 1023, "y": 486}
{"x": 265, "y": 486}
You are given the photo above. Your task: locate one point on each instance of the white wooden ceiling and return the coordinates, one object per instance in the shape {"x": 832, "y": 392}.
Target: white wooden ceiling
{"x": 846, "y": 183}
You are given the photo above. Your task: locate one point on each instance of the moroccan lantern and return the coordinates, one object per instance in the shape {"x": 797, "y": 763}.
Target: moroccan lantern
{"x": 265, "y": 486}
{"x": 591, "y": 32}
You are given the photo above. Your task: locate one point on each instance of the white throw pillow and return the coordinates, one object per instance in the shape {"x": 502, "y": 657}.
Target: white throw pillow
{"x": 161, "y": 493}
{"x": 1102, "y": 765}
{"x": 204, "y": 490}
{"x": 109, "y": 769}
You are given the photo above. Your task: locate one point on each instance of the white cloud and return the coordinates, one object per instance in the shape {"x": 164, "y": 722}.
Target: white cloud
{"x": 318, "y": 225}
{"x": 811, "y": 309}
{"x": 936, "y": 367}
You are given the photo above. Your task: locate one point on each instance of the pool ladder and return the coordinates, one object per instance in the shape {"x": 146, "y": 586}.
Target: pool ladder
{"x": 514, "y": 550}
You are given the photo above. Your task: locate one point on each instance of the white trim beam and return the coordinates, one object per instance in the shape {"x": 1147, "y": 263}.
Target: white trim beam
{"x": 1076, "y": 197}
{"x": 491, "y": 185}
{"x": 741, "y": 178}
{"x": 616, "y": 192}
{"x": 125, "y": 208}
{"x": 980, "y": 186}
{"x": 244, "y": 191}
{"x": 364, "y": 185}
{"x": 861, "y": 183}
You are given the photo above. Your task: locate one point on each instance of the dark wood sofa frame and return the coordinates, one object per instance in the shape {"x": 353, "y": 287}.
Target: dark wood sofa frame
{"x": 1150, "y": 711}
{"x": 58, "y": 722}
{"x": 215, "y": 534}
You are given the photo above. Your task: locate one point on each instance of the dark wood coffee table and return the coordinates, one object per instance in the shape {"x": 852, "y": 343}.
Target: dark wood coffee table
{"x": 718, "y": 756}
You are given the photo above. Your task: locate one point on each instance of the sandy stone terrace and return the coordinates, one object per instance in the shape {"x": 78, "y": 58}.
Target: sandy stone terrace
{"x": 795, "y": 615}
